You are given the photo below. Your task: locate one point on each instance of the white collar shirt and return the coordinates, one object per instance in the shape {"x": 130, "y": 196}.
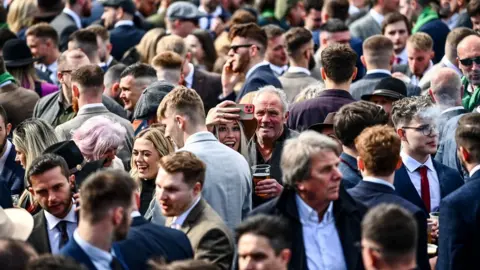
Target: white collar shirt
{"x": 403, "y": 57}
{"x": 204, "y": 21}
{"x": 177, "y": 222}
{"x": 123, "y": 22}
{"x": 449, "y": 64}
{"x": 384, "y": 71}
{"x": 189, "y": 77}
{"x": 100, "y": 258}
{"x": 378, "y": 181}
{"x": 416, "y": 80}
{"x": 54, "y": 233}
{"x": 299, "y": 70}
{"x": 474, "y": 170}
{"x": 251, "y": 70}
{"x": 75, "y": 17}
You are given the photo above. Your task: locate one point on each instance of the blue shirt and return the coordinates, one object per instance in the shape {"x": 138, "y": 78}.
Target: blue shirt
{"x": 100, "y": 258}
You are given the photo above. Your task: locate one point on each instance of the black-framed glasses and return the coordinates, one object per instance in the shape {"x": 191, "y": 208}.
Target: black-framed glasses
{"x": 426, "y": 130}
{"x": 470, "y": 61}
{"x": 236, "y": 47}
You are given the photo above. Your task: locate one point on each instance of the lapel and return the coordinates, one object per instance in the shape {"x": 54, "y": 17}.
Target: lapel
{"x": 197, "y": 81}
{"x": 39, "y": 236}
{"x": 404, "y": 186}
{"x": 193, "y": 216}
{"x": 441, "y": 176}
{"x": 9, "y": 167}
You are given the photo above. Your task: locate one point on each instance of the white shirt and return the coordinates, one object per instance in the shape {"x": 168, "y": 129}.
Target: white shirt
{"x": 321, "y": 240}
{"x": 403, "y": 57}
{"x": 278, "y": 70}
{"x": 178, "y": 221}
{"x": 135, "y": 214}
{"x": 75, "y": 17}
{"x": 123, "y": 22}
{"x": 203, "y": 22}
{"x": 384, "y": 71}
{"x": 352, "y": 9}
{"x": 100, "y": 258}
{"x": 250, "y": 71}
{"x": 452, "y": 21}
{"x": 299, "y": 70}
{"x": 377, "y": 16}
{"x": 416, "y": 80}
{"x": 52, "y": 69}
{"x": 474, "y": 170}
{"x": 449, "y": 64}
{"x": 189, "y": 77}
{"x": 4, "y": 157}
{"x": 378, "y": 181}
{"x": 54, "y": 234}
{"x": 452, "y": 109}
{"x": 107, "y": 63}
{"x": 92, "y": 105}
{"x": 412, "y": 165}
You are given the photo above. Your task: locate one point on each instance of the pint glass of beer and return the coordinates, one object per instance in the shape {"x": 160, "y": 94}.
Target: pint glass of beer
{"x": 260, "y": 172}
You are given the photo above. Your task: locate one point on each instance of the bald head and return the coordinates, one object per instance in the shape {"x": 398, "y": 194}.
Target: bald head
{"x": 468, "y": 50}
{"x": 446, "y": 88}
{"x": 72, "y": 59}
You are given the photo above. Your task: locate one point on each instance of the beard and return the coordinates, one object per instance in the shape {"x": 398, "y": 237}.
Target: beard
{"x": 242, "y": 64}
{"x": 121, "y": 232}
{"x": 4, "y": 143}
{"x": 311, "y": 63}
{"x": 67, "y": 204}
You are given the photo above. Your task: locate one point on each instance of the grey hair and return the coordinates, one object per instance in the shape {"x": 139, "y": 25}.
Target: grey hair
{"x": 446, "y": 86}
{"x": 310, "y": 91}
{"x": 272, "y": 89}
{"x": 406, "y": 109}
{"x": 298, "y": 152}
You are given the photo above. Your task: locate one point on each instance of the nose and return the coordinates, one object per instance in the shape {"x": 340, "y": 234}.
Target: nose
{"x": 337, "y": 174}
{"x": 161, "y": 196}
{"x": 138, "y": 158}
{"x": 52, "y": 197}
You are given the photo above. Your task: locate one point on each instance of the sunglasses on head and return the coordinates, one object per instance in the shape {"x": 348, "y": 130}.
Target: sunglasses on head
{"x": 470, "y": 61}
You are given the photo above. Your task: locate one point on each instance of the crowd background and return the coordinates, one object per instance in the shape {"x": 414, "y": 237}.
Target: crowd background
{"x": 239, "y": 134}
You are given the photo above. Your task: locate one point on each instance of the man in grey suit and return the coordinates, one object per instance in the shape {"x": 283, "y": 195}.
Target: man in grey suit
{"x": 228, "y": 182}
{"x": 87, "y": 88}
{"x": 378, "y": 57}
{"x": 300, "y": 53}
{"x": 370, "y": 24}
{"x": 69, "y": 20}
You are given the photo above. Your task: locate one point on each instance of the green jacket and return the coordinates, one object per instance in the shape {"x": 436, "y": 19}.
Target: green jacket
{"x": 470, "y": 100}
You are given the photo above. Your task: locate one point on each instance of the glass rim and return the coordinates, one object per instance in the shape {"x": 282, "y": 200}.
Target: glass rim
{"x": 261, "y": 166}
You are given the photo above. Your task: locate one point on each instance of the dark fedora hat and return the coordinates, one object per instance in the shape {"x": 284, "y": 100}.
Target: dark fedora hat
{"x": 17, "y": 54}
{"x": 389, "y": 87}
{"x": 328, "y": 122}
{"x": 48, "y": 9}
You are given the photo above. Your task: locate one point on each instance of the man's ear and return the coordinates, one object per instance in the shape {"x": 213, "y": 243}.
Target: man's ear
{"x": 354, "y": 75}
{"x": 117, "y": 217}
{"x": 30, "y": 189}
{"x": 60, "y": 77}
{"x": 180, "y": 122}
{"x": 430, "y": 93}
{"x": 360, "y": 164}
{"x": 75, "y": 91}
{"x": 9, "y": 128}
{"x": 285, "y": 255}
{"x": 324, "y": 17}
{"x": 324, "y": 74}
{"x": 399, "y": 163}
{"x": 109, "y": 48}
{"x": 287, "y": 114}
{"x": 432, "y": 55}
{"x": 362, "y": 59}
{"x": 71, "y": 181}
{"x": 401, "y": 134}
{"x": 464, "y": 153}
{"x": 197, "y": 188}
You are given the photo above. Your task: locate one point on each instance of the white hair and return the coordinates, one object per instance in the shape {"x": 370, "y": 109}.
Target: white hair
{"x": 272, "y": 89}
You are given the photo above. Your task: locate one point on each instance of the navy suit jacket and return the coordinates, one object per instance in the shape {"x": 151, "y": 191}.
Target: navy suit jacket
{"x": 349, "y": 169}
{"x": 459, "y": 233}
{"x": 438, "y": 31}
{"x": 123, "y": 38}
{"x": 74, "y": 251}
{"x": 149, "y": 241}
{"x": 449, "y": 180}
{"x": 371, "y": 194}
{"x": 5, "y": 196}
{"x": 262, "y": 76}
{"x": 13, "y": 174}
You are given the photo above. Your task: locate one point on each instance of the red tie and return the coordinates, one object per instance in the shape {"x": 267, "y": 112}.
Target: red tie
{"x": 424, "y": 187}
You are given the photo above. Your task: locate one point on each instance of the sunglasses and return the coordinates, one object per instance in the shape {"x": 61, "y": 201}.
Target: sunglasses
{"x": 470, "y": 61}
{"x": 236, "y": 47}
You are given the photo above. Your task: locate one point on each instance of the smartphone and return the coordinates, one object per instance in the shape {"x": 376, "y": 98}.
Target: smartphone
{"x": 246, "y": 111}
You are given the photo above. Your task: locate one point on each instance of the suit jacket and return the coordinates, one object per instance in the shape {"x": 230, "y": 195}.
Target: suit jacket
{"x": 438, "y": 31}
{"x": 210, "y": 237}
{"x": 5, "y": 195}
{"x": 313, "y": 111}
{"x": 365, "y": 27}
{"x": 39, "y": 236}
{"x": 371, "y": 194}
{"x": 349, "y": 169}
{"x": 348, "y": 216}
{"x": 367, "y": 85}
{"x": 146, "y": 241}
{"x": 50, "y": 107}
{"x": 209, "y": 86}
{"x": 262, "y": 76}
{"x": 13, "y": 174}
{"x": 65, "y": 26}
{"x": 427, "y": 77}
{"x": 123, "y": 38}
{"x": 64, "y": 130}
{"x": 293, "y": 83}
{"x": 459, "y": 234}
{"x": 18, "y": 102}
{"x": 448, "y": 178}
{"x": 444, "y": 118}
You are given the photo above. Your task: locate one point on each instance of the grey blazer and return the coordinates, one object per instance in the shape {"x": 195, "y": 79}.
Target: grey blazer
{"x": 293, "y": 83}
{"x": 367, "y": 84}
{"x": 365, "y": 27}
{"x": 64, "y": 131}
{"x": 65, "y": 26}
{"x": 228, "y": 181}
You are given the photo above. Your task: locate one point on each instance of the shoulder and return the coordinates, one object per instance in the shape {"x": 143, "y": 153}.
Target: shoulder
{"x": 466, "y": 194}
{"x": 435, "y": 25}
{"x": 48, "y": 98}
{"x": 360, "y": 23}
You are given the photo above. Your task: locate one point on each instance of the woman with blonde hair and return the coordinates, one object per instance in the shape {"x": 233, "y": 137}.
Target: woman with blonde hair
{"x": 149, "y": 147}
{"x": 31, "y": 138}
{"x": 145, "y": 50}
{"x": 20, "y": 16}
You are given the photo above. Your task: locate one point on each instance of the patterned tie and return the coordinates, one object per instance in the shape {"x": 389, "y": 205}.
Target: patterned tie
{"x": 424, "y": 186}
{"x": 62, "y": 227}
{"x": 115, "y": 264}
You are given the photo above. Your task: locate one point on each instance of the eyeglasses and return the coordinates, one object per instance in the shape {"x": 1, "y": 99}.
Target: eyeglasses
{"x": 426, "y": 130}
{"x": 236, "y": 47}
{"x": 470, "y": 61}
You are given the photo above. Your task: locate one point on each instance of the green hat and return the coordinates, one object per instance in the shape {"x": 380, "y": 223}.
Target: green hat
{"x": 282, "y": 7}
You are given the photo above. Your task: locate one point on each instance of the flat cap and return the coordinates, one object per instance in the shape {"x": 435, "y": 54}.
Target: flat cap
{"x": 127, "y": 5}
{"x": 150, "y": 99}
{"x": 184, "y": 11}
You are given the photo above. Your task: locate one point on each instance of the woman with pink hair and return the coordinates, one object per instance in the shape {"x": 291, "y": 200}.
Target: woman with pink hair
{"x": 99, "y": 138}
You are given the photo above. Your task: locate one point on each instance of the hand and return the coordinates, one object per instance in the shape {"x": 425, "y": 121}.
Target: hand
{"x": 222, "y": 114}
{"x": 217, "y": 26}
{"x": 435, "y": 229}
{"x": 268, "y": 188}
{"x": 433, "y": 262}
{"x": 229, "y": 78}
{"x": 76, "y": 201}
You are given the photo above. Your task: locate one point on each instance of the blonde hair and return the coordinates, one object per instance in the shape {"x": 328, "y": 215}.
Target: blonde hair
{"x": 245, "y": 146}
{"x": 20, "y": 14}
{"x": 421, "y": 41}
{"x": 147, "y": 48}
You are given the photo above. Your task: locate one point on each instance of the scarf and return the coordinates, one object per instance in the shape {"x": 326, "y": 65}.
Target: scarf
{"x": 5, "y": 77}
{"x": 426, "y": 16}
{"x": 470, "y": 100}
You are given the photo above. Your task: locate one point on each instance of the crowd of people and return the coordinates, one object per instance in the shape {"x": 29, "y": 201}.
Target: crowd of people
{"x": 239, "y": 134}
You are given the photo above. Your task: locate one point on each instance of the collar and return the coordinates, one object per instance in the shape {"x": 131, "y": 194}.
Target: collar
{"x": 277, "y": 69}
{"x": 217, "y": 12}
{"x": 376, "y": 71}
{"x": 478, "y": 109}
{"x": 88, "y": 106}
{"x": 353, "y": 9}
{"x": 199, "y": 136}
{"x": 474, "y": 170}
{"x": 452, "y": 21}
{"x": 52, "y": 221}
{"x": 181, "y": 219}
{"x": 135, "y": 214}
{"x": 412, "y": 165}
{"x": 5, "y": 84}
{"x": 53, "y": 66}
{"x": 122, "y": 23}
{"x": 189, "y": 77}
{"x": 403, "y": 55}
{"x": 94, "y": 253}
{"x": 449, "y": 64}
{"x": 299, "y": 70}
{"x": 453, "y": 109}
{"x": 308, "y": 214}
{"x": 107, "y": 63}
{"x": 140, "y": 15}
{"x": 378, "y": 181}
{"x": 74, "y": 16}
{"x": 376, "y": 16}
{"x": 263, "y": 63}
